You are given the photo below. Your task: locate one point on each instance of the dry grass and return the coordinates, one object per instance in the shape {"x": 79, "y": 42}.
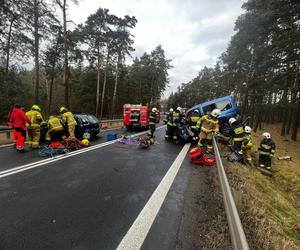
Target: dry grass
{"x": 269, "y": 207}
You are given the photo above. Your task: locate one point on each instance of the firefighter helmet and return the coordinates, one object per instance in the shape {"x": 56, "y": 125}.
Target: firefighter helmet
{"x": 232, "y": 120}
{"x": 171, "y": 110}
{"x": 85, "y": 142}
{"x": 196, "y": 111}
{"x": 266, "y": 135}
{"x": 63, "y": 109}
{"x": 35, "y": 107}
{"x": 179, "y": 109}
{"x": 154, "y": 109}
{"x": 248, "y": 129}
{"x": 215, "y": 113}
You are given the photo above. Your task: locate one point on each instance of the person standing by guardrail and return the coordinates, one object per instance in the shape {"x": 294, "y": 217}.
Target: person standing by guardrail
{"x": 18, "y": 119}
{"x": 152, "y": 121}
{"x": 208, "y": 124}
{"x": 10, "y": 124}
{"x": 33, "y": 130}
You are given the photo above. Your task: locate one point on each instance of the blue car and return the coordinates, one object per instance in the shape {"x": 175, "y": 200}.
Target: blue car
{"x": 226, "y": 104}
{"x": 88, "y": 126}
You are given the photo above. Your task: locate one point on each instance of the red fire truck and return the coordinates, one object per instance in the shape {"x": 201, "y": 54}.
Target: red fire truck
{"x": 136, "y": 116}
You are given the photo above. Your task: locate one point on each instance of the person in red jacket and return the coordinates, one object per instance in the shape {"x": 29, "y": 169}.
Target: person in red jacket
{"x": 18, "y": 120}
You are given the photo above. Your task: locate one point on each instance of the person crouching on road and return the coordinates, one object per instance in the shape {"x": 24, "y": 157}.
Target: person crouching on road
{"x": 55, "y": 129}
{"x": 237, "y": 133}
{"x": 247, "y": 145}
{"x": 266, "y": 151}
{"x": 69, "y": 121}
{"x": 152, "y": 121}
{"x": 18, "y": 120}
{"x": 208, "y": 124}
{"x": 33, "y": 130}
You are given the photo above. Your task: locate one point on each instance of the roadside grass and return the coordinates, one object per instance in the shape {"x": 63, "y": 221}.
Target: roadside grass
{"x": 269, "y": 206}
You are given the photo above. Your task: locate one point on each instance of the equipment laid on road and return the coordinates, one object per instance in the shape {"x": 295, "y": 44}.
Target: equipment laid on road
{"x": 144, "y": 143}
{"x": 198, "y": 157}
{"x": 111, "y": 137}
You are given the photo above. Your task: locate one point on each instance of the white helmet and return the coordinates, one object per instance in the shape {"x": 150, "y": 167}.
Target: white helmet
{"x": 266, "y": 135}
{"x": 215, "y": 113}
{"x": 179, "y": 109}
{"x": 196, "y": 111}
{"x": 232, "y": 120}
{"x": 171, "y": 110}
{"x": 154, "y": 109}
{"x": 248, "y": 129}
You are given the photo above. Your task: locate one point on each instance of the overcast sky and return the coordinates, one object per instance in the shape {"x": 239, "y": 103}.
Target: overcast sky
{"x": 193, "y": 33}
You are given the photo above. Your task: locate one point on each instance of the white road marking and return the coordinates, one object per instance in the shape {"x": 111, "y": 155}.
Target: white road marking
{"x": 137, "y": 233}
{"x": 6, "y": 145}
{"x": 44, "y": 162}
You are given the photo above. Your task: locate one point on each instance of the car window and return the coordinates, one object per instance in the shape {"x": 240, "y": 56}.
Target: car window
{"x": 92, "y": 119}
{"x": 207, "y": 109}
{"x": 224, "y": 105}
{"x": 84, "y": 119}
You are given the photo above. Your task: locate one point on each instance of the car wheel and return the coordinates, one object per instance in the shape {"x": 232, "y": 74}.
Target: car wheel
{"x": 86, "y": 135}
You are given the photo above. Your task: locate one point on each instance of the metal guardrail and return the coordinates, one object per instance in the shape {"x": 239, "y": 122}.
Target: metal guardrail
{"x": 109, "y": 121}
{"x": 237, "y": 234}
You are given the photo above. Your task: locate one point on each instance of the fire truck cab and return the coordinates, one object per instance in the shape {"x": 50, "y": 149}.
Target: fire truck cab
{"x": 135, "y": 116}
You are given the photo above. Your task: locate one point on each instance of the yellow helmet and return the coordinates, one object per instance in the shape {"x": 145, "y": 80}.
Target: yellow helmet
{"x": 35, "y": 107}
{"x": 63, "y": 109}
{"x": 85, "y": 142}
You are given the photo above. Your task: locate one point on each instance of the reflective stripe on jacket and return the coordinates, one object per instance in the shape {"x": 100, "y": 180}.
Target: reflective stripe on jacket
{"x": 194, "y": 120}
{"x": 55, "y": 124}
{"x": 152, "y": 118}
{"x": 247, "y": 142}
{"x": 267, "y": 147}
{"x": 208, "y": 124}
{"x": 35, "y": 117}
{"x": 68, "y": 119}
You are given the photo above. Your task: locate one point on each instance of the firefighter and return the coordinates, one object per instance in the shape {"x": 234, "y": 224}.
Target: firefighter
{"x": 152, "y": 121}
{"x": 192, "y": 122}
{"x": 208, "y": 124}
{"x": 247, "y": 145}
{"x": 10, "y": 124}
{"x": 55, "y": 129}
{"x": 170, "y": 125}
{"x": 33, "y": 130}
{"x": 237, "y": 133}
{"x": 18, "y": 120}
{"x": 171, "y": 110}
{"x": 266, "y": 151}
{"x": 176, "y": 119}
{"x": 69, "y": 121}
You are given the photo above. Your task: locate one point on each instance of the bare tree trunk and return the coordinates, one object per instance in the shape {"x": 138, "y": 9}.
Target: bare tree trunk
{"x": 36, "y": 51}
{"x": 8, "y": 46}
{"x": 115, "y": 88}
{"x": 98, "y": 85}
{"x": 285, "y": 103}
{"x": 104, "y": 85}
{"x": 296, "y": 122}
{"x": 66, "y": 63}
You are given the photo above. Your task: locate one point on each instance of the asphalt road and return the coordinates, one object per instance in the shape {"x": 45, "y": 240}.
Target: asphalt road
{"x": 90, "y": 200}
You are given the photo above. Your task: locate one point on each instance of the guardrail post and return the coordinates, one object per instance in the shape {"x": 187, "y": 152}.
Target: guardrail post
{"x": 237, "y": 234}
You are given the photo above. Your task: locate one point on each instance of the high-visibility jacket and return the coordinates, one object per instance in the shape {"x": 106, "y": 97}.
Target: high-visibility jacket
{"x": 237, "y": 131}
{"x": 152, "y": 118}
{"x": 193, "y": 120}
{"x": 176, "y": 118}
{"x": 267, "y": 147}
{"x": 247, "y": 142}
{"x": 54, "y": 124}
{"x": 35, "y": 117}
{"x": 208, "y": 124}
{"x": 68, "y": 119}
{"x": 18, "y": 119}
